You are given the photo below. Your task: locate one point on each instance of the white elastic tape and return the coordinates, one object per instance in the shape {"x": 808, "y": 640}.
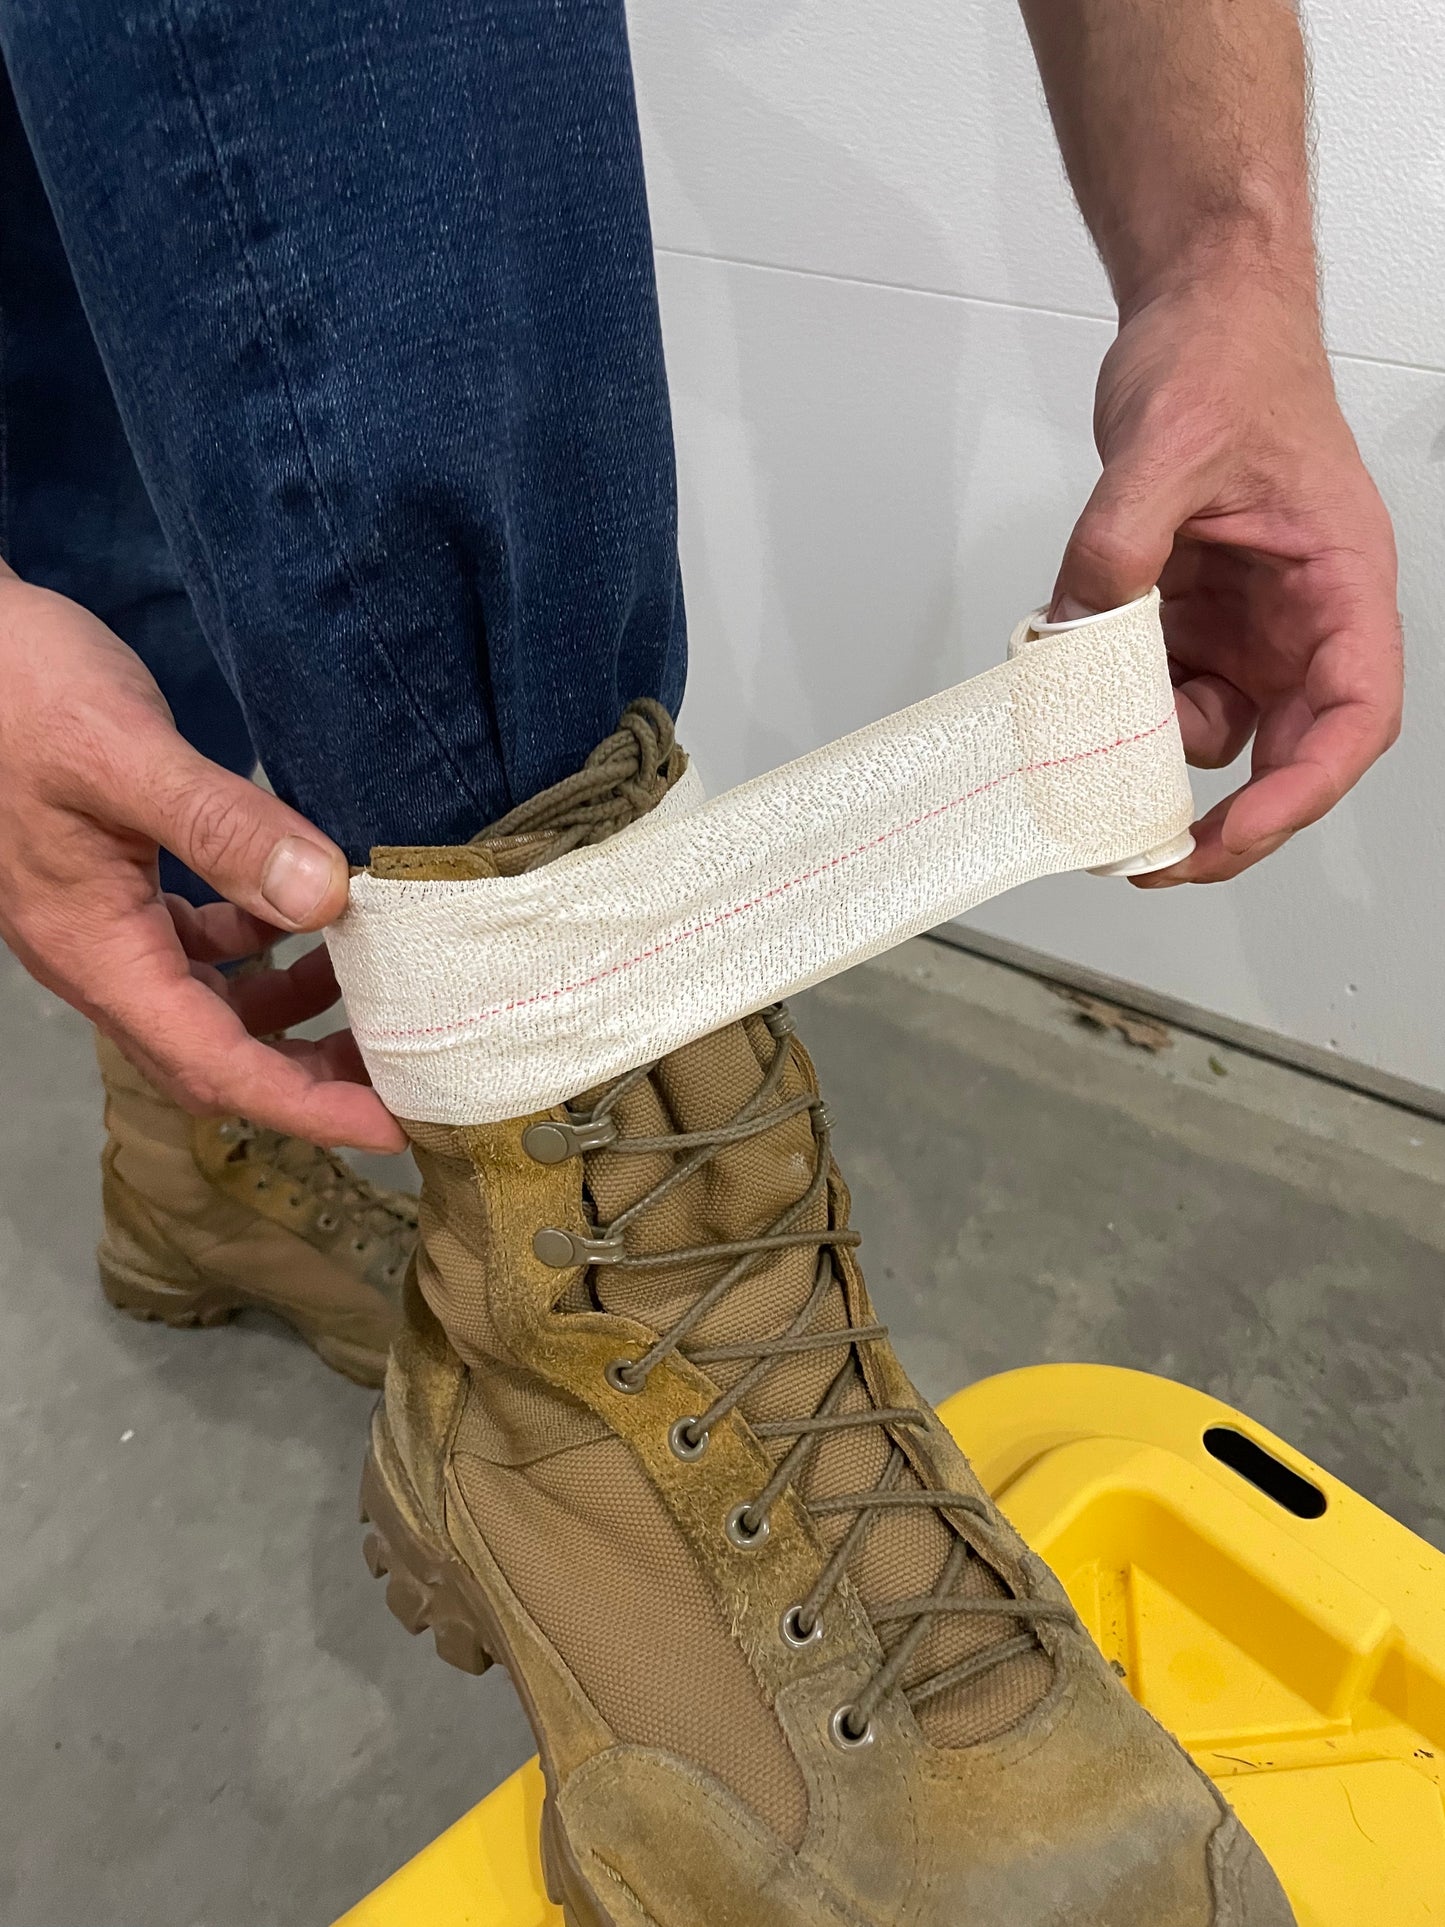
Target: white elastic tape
{"x": 476, "y": 1001}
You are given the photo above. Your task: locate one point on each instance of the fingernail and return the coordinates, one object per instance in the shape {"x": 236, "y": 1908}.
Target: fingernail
{"x": 297, "y": 878}
{"x": 1068, "y": 608}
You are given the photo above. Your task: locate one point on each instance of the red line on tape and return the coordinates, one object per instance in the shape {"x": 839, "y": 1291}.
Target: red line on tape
{"x": 766, "y": 896}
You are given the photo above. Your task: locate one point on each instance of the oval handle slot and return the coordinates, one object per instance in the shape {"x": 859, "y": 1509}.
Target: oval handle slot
{"x": 1263, "y": 1470}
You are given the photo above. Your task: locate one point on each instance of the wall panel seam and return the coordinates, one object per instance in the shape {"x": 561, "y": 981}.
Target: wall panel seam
{"x": 1337, "y": 355}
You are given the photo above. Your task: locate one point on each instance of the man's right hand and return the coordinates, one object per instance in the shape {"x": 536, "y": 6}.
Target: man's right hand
{"x": 93, "y": 778}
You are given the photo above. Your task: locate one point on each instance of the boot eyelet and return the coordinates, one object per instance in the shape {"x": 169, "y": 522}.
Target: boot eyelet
{"x": 325, "y": 1221}
{"x": 619, "y": 1376}
{"x": 553, "y": 1142}
{"x": 547, "y": 1143}
{"x": 791, "y": 1627}
{"x": 263, "y": 1184}
{"x": 561, "y": 1249}
{"x": 296, "y": 1200}
{"x": 843, "y": 1735}
{"x": 744, "y": 1536}
{"x": 686, "y": 1440}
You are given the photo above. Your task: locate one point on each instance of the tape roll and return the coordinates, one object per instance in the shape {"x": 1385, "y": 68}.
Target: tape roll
{"x": 493, "y": 998}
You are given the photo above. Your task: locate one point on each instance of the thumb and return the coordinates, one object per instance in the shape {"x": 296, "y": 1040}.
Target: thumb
{"x": 1119, "y": 545}
{"x": 245, "y": 842}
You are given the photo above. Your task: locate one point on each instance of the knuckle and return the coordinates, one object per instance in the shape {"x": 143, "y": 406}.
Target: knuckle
{"x": 200, "y": 1094}
{"x": 1185, "y": 428}
{"x": 1165, "y": 425}
{"x": 1109, "y": 553}
{"x": 220, "y": 834}
{"x": 39, "y": 926}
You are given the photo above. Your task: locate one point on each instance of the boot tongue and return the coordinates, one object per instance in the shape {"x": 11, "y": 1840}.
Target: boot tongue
{"x": 738, "y": 1193}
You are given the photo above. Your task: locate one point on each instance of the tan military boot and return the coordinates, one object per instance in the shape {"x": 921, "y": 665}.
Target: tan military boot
{"x": 644, "y": 1441}
{"x": 206, "y": 1216}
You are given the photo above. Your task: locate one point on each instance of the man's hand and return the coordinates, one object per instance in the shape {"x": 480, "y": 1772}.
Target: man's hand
{"x": 1231, "y": 478}
{"x": 93, "y": 777}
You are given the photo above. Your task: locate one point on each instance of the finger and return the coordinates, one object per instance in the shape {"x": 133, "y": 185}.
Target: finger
{"x": 1209, "y": 861}
{"x": 246, "y": 843}
{"x": 1328, "y": 759}
{"x": 332, "y": 1061}
{"x": 274, "y": 1000}
{"x": 1282, "y": 798}
{"x": 1216, "y": 720}
{"x": 336, "y": 1055}
{"x": 297, "y": 1088}
{"x": 195, "y": 1046}
{"x": 1120, "y": 543}
{"x": 217, "y": 933}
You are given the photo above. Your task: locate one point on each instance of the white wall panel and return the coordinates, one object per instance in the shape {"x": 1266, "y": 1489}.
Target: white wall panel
{"x": 894, "y": 140}
{"x": 905, "y": 141}
{"x": 876, "y": 482}
{"x": 1380, "y": 90}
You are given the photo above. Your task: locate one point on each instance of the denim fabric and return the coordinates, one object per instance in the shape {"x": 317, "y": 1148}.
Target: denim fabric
{"x": 373, "y": 286}
{"x": 74, "y": 514}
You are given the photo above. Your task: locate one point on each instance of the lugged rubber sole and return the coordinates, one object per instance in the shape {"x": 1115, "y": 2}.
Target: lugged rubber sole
{"x": 429, "y": 1590}
{"x": 184, "y": 1307}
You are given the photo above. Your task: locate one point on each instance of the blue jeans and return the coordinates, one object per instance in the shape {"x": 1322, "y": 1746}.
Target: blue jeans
{"x": 373, "y": 290}
{"x": 74, "y": 514}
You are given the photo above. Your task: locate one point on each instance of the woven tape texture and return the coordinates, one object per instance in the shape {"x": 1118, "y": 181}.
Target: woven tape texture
{"x": 481, "y": 1000}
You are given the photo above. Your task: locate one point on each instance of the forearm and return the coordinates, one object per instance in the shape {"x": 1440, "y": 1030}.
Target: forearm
{"x": 1183, "y": 126}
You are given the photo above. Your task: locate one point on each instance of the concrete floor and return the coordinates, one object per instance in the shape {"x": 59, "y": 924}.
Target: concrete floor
{"x": 211, "y": 1721}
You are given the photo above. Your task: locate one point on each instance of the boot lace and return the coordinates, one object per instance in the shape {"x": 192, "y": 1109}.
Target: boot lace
{"x": 747, "y": 1525}
{"x": 346, "y": 1199}
{"x": 622, "y": 779}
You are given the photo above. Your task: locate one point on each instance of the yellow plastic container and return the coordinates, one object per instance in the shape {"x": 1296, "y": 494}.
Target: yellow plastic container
{"x": 1290, "y": 1634}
